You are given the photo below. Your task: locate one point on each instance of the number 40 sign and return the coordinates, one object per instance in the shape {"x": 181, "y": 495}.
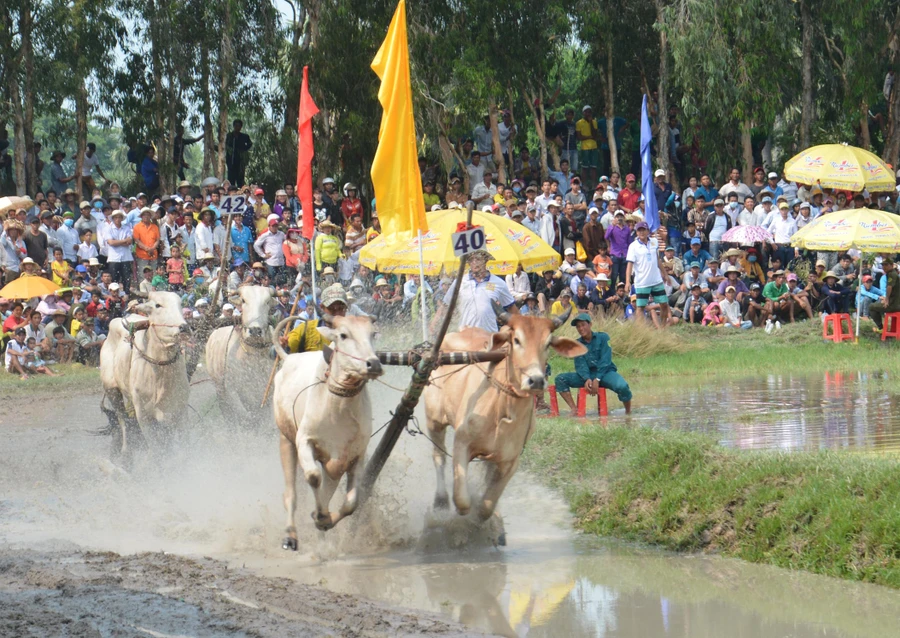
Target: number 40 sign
{"x": 468, "y": 241}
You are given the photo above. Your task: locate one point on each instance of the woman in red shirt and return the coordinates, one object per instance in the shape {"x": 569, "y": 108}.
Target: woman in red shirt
{"x": 295, "y": 251}
{"x": 16, "y": 319}
{"x": 351, "y": 204}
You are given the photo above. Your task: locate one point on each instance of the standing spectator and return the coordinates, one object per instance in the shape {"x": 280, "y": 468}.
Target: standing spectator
{"x": 175, "y": 269}
{"x": 178, "y": 149}
{"x": 237, "y": 153}
{"x": 629, "y": 197}
{"x": 295, "y": 251}
{"x": 782, "y": 227}
{"x": 735, "y": 185}
{"x": 707, "y": 190}
{"x": 507, "y": 131}
{"x": 327, "y": 246}
{"x": 618, "y": 236}
{"x": 146, "y": 242}
{"x": 13, "y": 250}
{"x": 36, "y": 243}
{"x": 292, "y": 202}
{"x": 568, "y": 140}
{"x": 203, "y": 237}
{"x": 58, "y": 177}
{"x": 589, "y": 136}
{"x": 484, "y": 143}
{"x": 119, "y": 259}
{"x": 644, "y": 265}
{"x": 592, "y": 235}
{"x": 90, "y": 161}
{"x": 150, "y": 170}
{"x": 715, "y": 227}
{"x": 483, "y": 192}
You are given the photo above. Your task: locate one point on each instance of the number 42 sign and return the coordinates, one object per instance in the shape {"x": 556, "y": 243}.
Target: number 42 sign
{"x": 233, "y": 205}
{"x": 468, "y": 241}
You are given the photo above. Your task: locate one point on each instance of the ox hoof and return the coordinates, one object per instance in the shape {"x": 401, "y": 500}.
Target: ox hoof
{"x": 441, "y": 502}
{"x": 323, "y": 522}
{"x": 289, "y": 543}
{"x": 501, "y": 540}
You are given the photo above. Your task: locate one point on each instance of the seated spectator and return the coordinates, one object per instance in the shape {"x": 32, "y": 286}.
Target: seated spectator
{"x": 548, "y": 288}
{"x": 799, "y": 295}
{"x": 563, "y": 302}
{"x": 837, "y": 297}
{"x": 731, "y": 280}
{"x": 694, "y": 305}
{"x": 695, "y": 254}
{"x": 530, "y": 308}
{"x": 582, "y": 300}
{"x": 146, "y": 286}
{"x": 62, "y": 344}
{"x": 778, "y": 302}
{"x": 712, "y": 316}
{"x": 868, "y": 294}
{"x": 754, "y": 306}
{"x": 731, "y": 311}
{"x": 593, "y": 370}
{"x": 16, "y": 351}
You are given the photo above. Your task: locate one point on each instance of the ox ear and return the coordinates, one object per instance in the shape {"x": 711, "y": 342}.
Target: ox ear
{"x": 145, "y": 308}
{"x": 328, "y": 353}
{"x": 568, "y": 348}
{"x": 500, "y": 339}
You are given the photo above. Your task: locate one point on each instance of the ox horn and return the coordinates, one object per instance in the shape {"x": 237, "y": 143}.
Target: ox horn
{"x": 279, "y": 329}
{"x": 502, "y": 315}
{"x": 559, "y": 320}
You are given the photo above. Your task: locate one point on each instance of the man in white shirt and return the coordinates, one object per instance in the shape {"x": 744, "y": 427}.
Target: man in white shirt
{"x": 484, "y": 191}
{"x": 475, "y": 170}
{"x": 507, "y": 131}
{"x": 543, "y": 200}
{"x": 411, "y": 289}
{"x": 90, "y": 161}
{"x": 478, "y": 289}
{"x": 531, "y": 222}
{"x": 735, "y": 185}
{"x": 519, "y": 284}
{"x": 783, "y": 228}
{"x": 644, "y": 265}
{"x": 269, "y": 245}
{"x": 119, "y": 241}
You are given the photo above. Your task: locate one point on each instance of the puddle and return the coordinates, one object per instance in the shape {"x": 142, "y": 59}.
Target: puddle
{"x": 834, "y": 410}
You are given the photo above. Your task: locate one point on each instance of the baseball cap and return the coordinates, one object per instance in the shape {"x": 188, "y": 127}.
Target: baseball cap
{"x": 792, "y": 277}
{"x": 695, "y": 264}
{"x": 865, "y": 279}
{"x": 642, "y": 226}
{"x": 630, "y": 177}
{"x": 227, "y": 306}
{"x": 731, "y": 288}
{"x": 696, "y": 241}
{"x": 114, "y": 286}
{"x": 273, "y": 218}
{"x": 581, "y": 316}
{"x": 719, "y": 202}
{"x": 197, "y": 272}
{"x": 604, "y": 178}
{"x": 659, "y": 172}
{"x": 586, "y": 107}
{"x": 258, "y": 191}
{"x": 783, "y": 206}
{"x": 569, "y": 251}
{"x": 773, "y": 175}
{"x": 805, "y": 205}
{"x": 766, "y": 200}
{"x": 754, "y": 286}
{"x": 517, "y": 213}
{"x": 821, "y": 263}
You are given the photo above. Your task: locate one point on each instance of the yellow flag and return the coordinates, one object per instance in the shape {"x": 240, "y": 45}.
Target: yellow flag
{"x": 395, "y": 170}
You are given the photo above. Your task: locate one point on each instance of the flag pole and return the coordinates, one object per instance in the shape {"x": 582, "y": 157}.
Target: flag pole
{"x": 312, "y": 268}
{"x": 422, "y": 289}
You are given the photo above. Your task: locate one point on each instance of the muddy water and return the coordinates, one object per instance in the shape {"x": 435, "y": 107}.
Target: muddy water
{"x": 833, "y": 410}
{"x": 219, "y": 494}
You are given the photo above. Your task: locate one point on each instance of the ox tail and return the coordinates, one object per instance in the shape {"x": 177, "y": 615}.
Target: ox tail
{"x": 279, "y": 329}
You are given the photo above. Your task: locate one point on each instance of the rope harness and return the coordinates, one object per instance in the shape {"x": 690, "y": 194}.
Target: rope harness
{"x": 146, "y": 357}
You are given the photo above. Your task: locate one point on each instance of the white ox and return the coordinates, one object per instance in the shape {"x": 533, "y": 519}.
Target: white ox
{"x": 490, "y": 407}
{"x": 144, "y": 374}
{"x": 238, "y": 358}
{"x": 323, "y": 411}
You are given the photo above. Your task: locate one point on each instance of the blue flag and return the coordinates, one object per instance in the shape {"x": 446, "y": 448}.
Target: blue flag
{"x": 651, "y": 212}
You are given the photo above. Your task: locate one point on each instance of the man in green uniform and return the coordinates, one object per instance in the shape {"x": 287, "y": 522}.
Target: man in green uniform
{"x": 593, "y": 370}
{"x": 891, "y": 300}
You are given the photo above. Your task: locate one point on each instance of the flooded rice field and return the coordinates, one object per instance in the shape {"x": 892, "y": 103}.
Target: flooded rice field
{"x": 393, "y": 568}
{"x": 832, "y": 410}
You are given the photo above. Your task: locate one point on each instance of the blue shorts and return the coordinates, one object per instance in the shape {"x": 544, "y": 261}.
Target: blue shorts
{"x": 657, "y": 293}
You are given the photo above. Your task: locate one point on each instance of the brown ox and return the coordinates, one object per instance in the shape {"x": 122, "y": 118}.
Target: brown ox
{"x": 490, "y": 406}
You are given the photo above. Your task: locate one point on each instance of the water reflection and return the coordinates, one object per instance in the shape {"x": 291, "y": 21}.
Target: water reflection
{"x": 834, "y": 410}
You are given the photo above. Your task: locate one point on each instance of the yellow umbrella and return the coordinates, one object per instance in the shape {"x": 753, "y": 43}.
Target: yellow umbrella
{"x": 840, "y": 166}
{"x": 15, "y": 203}
{"x": 28, "y": 286}
{"x": 508, "y": 242}
{"x": 860, "y": 228}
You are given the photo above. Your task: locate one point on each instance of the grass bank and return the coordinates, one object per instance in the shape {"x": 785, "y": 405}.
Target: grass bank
{"x": 832, "y": 514}
{"x": 75, "y": 377}
{"x": 640, "y": 350}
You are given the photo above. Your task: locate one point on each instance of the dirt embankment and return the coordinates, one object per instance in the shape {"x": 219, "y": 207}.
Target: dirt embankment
{"x": 87, "y": 594}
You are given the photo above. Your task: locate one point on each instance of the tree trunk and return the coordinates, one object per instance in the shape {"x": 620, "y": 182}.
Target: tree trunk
{"x": 662, "y": 145}
{"x": 808, "y": 105}
{"x": 538, "y": 114}
{"x": 865, "y": 137}
{"x": 495, "y": 139}
{"x": 747, "y": 151}
{"x": 892, "y": 140}
{"x": 225, "y": 53}
{"x": 18, "y": 134}
{"x": 81, "y": 108}
{"x": 208, "y": 140}
{"x": 26, "y": 21}
{"x": 611, "y": 112}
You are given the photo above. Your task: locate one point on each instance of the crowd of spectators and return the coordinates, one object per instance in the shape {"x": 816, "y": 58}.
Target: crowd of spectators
{"x": 107, "y": 251}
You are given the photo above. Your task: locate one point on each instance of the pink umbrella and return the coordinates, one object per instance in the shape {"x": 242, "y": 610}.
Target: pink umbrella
{"x": 747, "y": 235}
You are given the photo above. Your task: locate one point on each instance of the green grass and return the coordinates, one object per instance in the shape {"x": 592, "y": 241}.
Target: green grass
{"x": 75, "y": 377}
{"x": 797, "y": 348}
{"x": 828, "y": 513}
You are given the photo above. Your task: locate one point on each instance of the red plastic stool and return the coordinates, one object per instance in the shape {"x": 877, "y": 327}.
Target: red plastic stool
{"x": 836, "y": 321}
{"x": 891, "y": 326}
{"x": 554, "y": 401}
{"x": 602, "y": 409}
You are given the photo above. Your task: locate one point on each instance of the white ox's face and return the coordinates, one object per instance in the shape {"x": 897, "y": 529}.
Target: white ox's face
{"x": 256, "y": 306}
{"x": 163, "y": 310}
{"x": 354, "y": 352}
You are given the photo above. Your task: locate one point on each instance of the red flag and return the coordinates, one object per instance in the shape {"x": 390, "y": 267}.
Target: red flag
{"x": 308, "y": 108}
